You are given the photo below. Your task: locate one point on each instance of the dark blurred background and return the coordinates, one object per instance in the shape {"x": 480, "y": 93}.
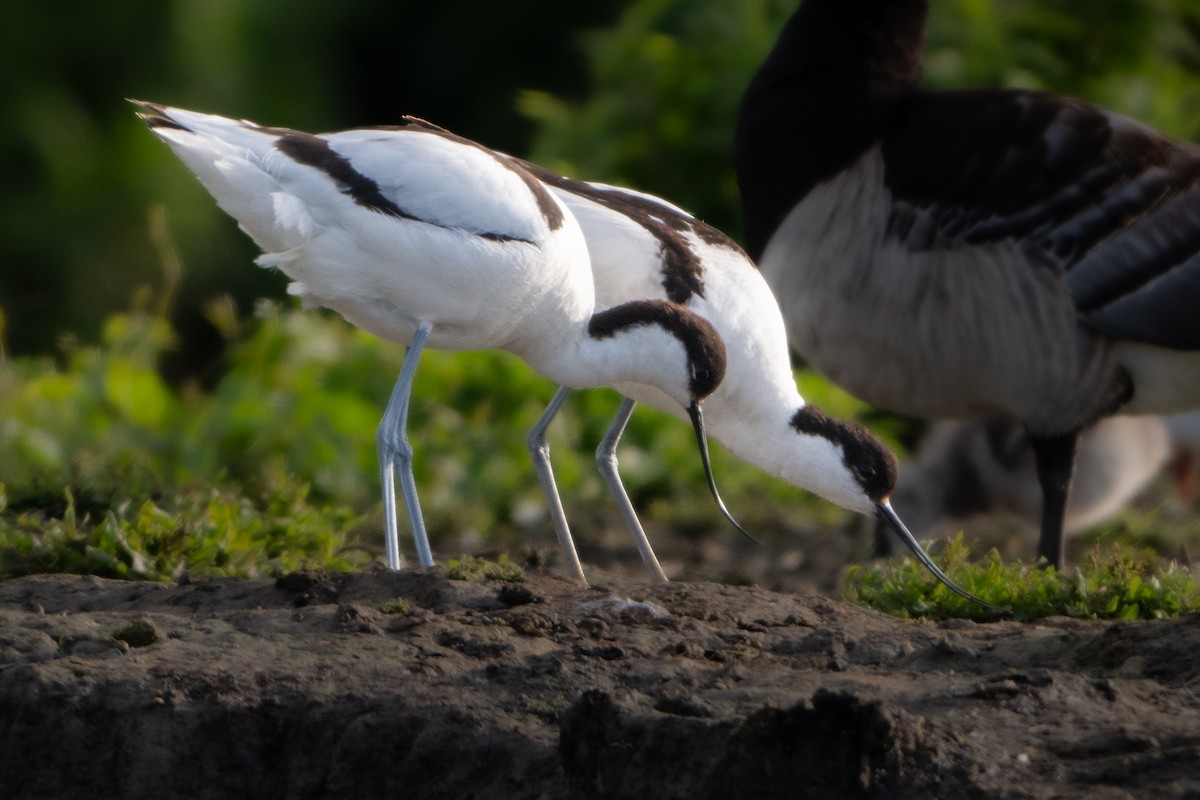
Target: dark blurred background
{"x": 79, "y": 171}
{"x": 635, "y": 91}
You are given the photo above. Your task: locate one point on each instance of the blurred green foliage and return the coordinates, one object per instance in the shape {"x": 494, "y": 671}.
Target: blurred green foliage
{"x": 80, "y": 170}
{"x": 180, "y": 434}
{"x": 646, "y": 97}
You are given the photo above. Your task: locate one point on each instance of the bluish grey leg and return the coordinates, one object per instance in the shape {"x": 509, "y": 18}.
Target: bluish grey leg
{"x": 540, "y": 451}
{"x": 395, "y": 453}
{"x": 606, "y": 458}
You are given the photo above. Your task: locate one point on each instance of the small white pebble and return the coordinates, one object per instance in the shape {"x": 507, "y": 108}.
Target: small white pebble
{"x": 1023, "y": 759}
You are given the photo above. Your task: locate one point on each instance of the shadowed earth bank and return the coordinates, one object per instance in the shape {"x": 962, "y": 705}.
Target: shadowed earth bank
{"x": 411, "y": 685}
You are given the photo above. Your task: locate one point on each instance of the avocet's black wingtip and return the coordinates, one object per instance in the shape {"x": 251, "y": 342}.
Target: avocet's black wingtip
{"x": 702, "y": 440}
{"x": 889, "y": 516}
{"x": 155, "y": 115}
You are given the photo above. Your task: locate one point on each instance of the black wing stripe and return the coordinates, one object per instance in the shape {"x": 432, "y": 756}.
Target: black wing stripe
{"x": 315, "y": 152}
{"x": 551, "y": 211}
{"x": 682, "y": 267}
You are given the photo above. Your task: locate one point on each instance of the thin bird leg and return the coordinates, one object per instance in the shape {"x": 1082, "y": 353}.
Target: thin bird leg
{"x": 1055, "y": 458}
{"x": 540, "y": 451}
{"x": 606, "y": 458}
{"x": 395, "y": 453}
{"x": 702, "y": 440}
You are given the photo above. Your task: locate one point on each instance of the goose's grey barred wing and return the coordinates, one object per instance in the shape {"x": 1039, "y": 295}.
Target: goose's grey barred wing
{"x": 1111, "y": 202}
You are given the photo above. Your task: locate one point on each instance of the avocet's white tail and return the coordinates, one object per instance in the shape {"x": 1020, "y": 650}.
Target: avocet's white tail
{"x": 227, "y": 156}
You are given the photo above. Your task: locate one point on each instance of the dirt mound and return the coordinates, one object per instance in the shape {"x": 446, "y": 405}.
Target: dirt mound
{"x": 410, "y": 685}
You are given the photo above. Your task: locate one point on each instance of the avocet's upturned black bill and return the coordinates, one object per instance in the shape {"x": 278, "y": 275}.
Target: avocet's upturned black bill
{"x": 962, "y": 253}
{"x": 430, "y": 240}
{"x": 888, "y": 516}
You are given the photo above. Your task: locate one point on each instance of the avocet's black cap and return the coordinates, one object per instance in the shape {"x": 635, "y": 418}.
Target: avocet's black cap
{"x": 873, "y": 465}
{"x": 704, "y": 346}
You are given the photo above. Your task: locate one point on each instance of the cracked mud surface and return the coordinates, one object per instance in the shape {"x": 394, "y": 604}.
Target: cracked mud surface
{"x": 305, "y": 687}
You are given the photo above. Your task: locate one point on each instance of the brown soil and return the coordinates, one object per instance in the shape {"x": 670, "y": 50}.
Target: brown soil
{"x": 305, "y": 687}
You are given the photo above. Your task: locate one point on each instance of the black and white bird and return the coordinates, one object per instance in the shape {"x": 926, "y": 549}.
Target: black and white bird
{"x": 964, "y": 253}
{"x": 427, "y": 239}
{"x": 965, "y": 470}
{"x": 643, "y": 248}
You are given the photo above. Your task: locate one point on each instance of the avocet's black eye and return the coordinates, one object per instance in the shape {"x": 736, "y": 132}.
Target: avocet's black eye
{"x": 865, "y": 473}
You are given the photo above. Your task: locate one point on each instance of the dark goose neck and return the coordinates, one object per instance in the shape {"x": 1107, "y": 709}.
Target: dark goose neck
{"x": 821, "y": 99}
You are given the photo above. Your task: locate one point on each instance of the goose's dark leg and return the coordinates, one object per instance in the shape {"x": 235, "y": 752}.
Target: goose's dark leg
{"x": 540, "y": 451}
{"x": 1055, "y": 457}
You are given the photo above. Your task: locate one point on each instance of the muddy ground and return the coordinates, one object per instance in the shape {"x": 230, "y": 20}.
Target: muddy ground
{"x": 410, "y": 685}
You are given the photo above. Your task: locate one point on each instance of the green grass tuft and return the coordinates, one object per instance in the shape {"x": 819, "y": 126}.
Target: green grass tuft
{"x": 1109, "y": 584}
{"x": 138, "y": 633}
{"x": 470, "y": 568}
{"x": 203, "y": 530}
{"x": 399, "y": 606}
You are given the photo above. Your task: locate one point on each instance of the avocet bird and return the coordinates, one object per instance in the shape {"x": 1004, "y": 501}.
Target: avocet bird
{"x": 953, "y": 254}
{"x": 427, "y": 239}
{"x": 967, "y": 469}
{"x": 644, "y": 249}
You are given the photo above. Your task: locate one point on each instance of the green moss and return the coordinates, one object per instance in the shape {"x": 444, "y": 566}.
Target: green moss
{"x": 138, "y": 633}
{"x": 470, "y": 568}
{"x": 397, "y": 605}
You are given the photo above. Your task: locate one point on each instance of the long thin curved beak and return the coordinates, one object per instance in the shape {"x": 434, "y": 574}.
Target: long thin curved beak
{"x": 701, "y": 439}
{"x": 889, "y": 516}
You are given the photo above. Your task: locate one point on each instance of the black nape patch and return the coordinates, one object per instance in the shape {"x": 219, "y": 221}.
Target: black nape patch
{"x": 682, "y": 269}
{"x": 315, "y": 152}
{"x": 704, "y": 346}
{"x": 873, "y": 465}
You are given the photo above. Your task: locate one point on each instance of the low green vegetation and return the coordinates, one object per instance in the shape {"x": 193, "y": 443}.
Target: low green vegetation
{"x": 397, "y": 605}
{"x": 470, "y": 568}
{"x": 1111, "y": 583}
{"x": 138, "y": 633}
{"x": 205, "y": 529}
{"x": 110, "y": 469}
